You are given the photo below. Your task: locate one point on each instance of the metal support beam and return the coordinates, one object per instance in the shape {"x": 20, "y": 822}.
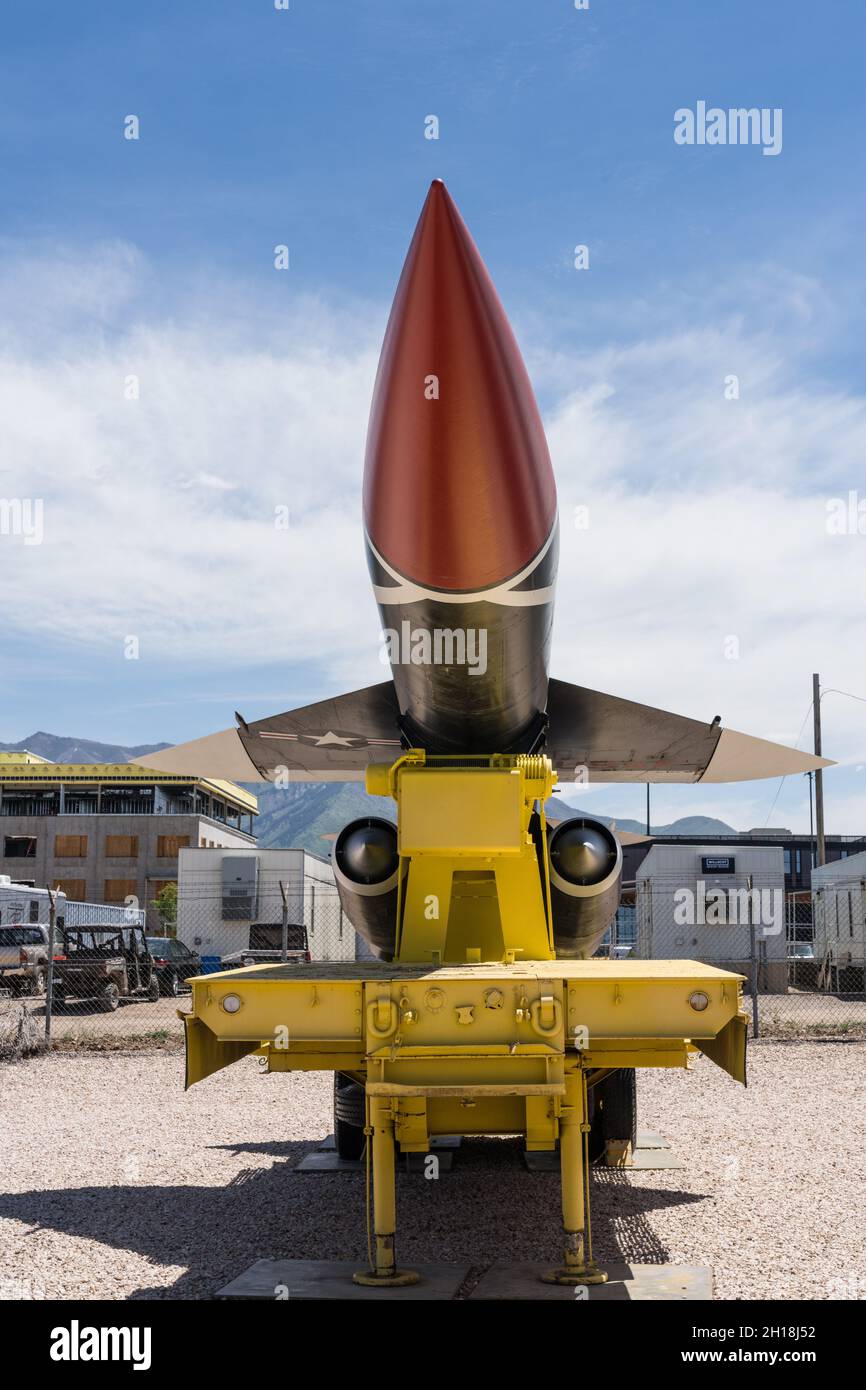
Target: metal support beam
{"x": 579, "y": 1266}
{"x": 384, "y": 1273}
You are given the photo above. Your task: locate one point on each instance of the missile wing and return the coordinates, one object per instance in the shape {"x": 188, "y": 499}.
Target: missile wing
{"x": 590, "y": 737}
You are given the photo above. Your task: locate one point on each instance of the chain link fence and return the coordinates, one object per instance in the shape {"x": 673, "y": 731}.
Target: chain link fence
{"x": 803, "y": 957}
{"x": 108, "y": 979}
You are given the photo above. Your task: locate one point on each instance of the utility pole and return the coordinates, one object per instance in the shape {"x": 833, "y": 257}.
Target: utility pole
{"x": 284, "y": 952}
{"x": 648, "y": 831}
{"x": 819, "y": 775}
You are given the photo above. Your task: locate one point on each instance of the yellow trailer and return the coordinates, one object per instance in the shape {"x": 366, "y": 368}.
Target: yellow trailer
{"x": 475, "y": 1026}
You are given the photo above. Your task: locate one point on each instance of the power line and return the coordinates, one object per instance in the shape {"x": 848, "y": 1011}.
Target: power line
{"x": 847, "y": 693}
{"x": 784, "y": 779}
{"x": 829, "y": 691}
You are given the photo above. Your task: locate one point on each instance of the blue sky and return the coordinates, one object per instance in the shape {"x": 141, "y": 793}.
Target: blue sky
{"x": 259, "y": 127}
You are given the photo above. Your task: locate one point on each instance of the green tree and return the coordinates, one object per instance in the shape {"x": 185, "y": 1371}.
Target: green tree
{"x": 165, "y": 903}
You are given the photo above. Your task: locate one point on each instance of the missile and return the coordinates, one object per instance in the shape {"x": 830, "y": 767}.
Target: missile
{"x": 459, "y": 504}
{"x": 460, "y": 527}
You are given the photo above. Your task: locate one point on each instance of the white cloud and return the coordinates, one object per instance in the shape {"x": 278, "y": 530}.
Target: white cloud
{"x": 707, "y": 516}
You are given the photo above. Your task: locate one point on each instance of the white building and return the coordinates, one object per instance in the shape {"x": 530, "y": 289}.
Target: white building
{"x": 839, "y": 917}
{"x": 229, "y": 900}
{"x": 700, "y": 902}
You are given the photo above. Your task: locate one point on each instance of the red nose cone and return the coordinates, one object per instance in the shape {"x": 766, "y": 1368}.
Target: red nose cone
{"x": 458, "y": 490}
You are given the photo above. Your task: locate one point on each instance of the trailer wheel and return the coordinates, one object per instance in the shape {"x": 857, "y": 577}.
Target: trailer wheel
{"x": 616, "y": 1107}
{"x": 350, "y": 1116}
{"x": 596, "y": 1138}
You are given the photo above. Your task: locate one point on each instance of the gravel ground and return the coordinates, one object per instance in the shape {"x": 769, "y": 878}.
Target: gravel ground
{"x": 118, "y": 1185}
{"x": 136, "y": 1018}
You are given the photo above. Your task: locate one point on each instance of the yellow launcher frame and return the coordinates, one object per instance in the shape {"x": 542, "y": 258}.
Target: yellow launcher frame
{"x": 505, "y": 1039}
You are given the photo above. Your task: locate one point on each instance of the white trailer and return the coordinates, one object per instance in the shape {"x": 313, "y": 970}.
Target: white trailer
{"x": 710, "y": 903}
{"x": 839, "y": 917}
{"x": 21, "y": 903}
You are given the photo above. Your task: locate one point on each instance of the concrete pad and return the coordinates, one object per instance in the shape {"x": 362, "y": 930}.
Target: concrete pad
{"x": 324, "y": 1158}
{"x": 318, "y": 1280}
{"x": 313, "y": 1280}
{"x": 626, "y": 1283}
{"x": 649, "y": 1139}
{"x": 646, "y": 1160}
{"x": 653, "y": 1152}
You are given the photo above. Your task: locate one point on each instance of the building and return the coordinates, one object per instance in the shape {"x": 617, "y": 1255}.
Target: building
{"x": 839, "y": 915}
{"x": 230, "y": 900}
{"x": 799, "y": 851}
{"x": 111, "y": 833}
{"x": 727, "y": 909}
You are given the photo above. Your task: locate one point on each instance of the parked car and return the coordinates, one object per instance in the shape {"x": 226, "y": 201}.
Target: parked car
{"x": 24, "y": 958}
{"x": 106, "y": 964}
{"x": 174, "y": 962}
{"x": 803, "y": 968}
{"x": 801, "y": 950}
{"x": 266, "y": 946}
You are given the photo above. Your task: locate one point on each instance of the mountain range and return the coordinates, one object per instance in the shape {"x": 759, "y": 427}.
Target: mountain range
{"x": 58, "y": 749}
{"x": 307, "y": 815}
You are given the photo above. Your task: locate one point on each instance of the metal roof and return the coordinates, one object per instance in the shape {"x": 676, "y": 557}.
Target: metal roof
{"x": 44, "y": 775}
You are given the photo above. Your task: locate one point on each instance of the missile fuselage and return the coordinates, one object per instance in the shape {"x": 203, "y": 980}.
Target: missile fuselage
{"x": 459, "y": 505}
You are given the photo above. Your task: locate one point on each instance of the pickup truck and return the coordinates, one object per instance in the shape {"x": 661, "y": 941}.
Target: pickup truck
{"x": 265, "y": 946}
{"x": 24, "y": 957}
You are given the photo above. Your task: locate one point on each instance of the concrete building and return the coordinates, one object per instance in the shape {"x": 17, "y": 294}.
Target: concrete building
{"x": 229, "y": 900}
{"x": 839, "y": 915}
{"x": 111, "y": 833}
{"x": 694, "y": 902}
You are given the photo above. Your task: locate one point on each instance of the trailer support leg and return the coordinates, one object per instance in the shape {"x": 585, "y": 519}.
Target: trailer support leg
{"x": 384, "y": 1273}
{"x": 579, "y": 1266}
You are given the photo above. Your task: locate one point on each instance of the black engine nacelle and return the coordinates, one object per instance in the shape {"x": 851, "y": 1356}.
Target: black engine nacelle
{"x": 366, "y": 865}
{"x": 585, "y": 878}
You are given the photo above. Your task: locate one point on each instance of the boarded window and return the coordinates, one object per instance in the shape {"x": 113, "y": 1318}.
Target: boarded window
{"x": 70, "y": 847}
{"x": 167, "y": 846}
{"x": 74, "y": 888}
{"x": 160, "y": 883}
{"x": 117, "y": 890}
{"x": 121, "y": 846}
